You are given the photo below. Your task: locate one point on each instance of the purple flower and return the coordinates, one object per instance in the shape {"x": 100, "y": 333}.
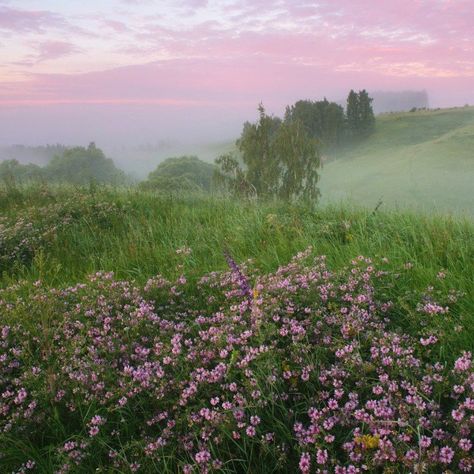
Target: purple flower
{"x": 305, "y": 463}
{"x": 241, "y": 278}
{"x": 446, "y": 455}
{"x": 203, "y": 457}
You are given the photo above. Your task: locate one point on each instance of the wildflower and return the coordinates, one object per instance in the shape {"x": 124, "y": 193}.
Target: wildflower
{"x": 321, "y": 456}
{"x": 446, "y": 455}
{"x": 122, "y": 401}
{"x": 251, "y": 431}
{"x": 203, "y": 457}
{"x": 254, "y": 420}
{"x": 465, "y": 444}
{"x": 457, "y": 415}
{"x": 425, "y": 442}
{"x": 368, "y": 441}
{"x": 305, "y": 463}
{"x": 463, "y": 363}
{"x": 241, "y": 278}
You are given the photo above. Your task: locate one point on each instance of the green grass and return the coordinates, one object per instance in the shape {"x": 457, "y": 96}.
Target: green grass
{"x": 422, "y": 160}
{"x": 136, "y": 234}
{"x": 141, "y": 240}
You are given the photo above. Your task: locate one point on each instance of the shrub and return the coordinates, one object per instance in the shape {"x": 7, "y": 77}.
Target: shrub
{"x": 181, "y": 174}
{"x": 302, "y": 369}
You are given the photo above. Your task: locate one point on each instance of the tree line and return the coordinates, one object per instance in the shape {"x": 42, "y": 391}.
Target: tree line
{"x": 78, "y": 165}
{"x": 274, "y": 158}
{"x": 280, "y": 157}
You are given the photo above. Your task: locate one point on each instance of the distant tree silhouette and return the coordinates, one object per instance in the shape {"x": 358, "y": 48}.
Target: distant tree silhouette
{"x": 360, "y": 115}
{"x": 323, "y": 120}
{"x": 81, "y": 165}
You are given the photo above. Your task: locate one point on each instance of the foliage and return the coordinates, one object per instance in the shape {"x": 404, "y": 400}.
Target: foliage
{"x": 279, "y": 160}
{"x": 40, "y": 155}
{"x": 77, "y": 165}
{"x": 360, "y": 115}
{"x": 13, "y": 173}
{"x": 81, "y": 165}
{"x": 323, "y": 120}
{"x": 181, "y": 174}
{"x": 34, "y": 229}
{"x": 310, "y": 370}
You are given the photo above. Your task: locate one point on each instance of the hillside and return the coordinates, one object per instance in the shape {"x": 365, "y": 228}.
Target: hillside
{"x": 218, "y": 338}
{"x": 422, "y": 159}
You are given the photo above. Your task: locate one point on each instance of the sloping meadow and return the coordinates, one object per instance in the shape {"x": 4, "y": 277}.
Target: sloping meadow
{"x": 303, "y": 368}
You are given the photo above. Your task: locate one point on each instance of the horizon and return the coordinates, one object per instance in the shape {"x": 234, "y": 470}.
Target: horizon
{"x": 132, "y": 72}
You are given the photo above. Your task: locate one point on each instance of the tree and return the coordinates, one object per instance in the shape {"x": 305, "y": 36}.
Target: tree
{"x": 278, "y": 159}
{"x": 256, "y": 145}
{"x": 352, "y": 113}
{"x": 323, "y": 120}
{"x": 298, "y": 158}
{"x": 360, "y": 115}
{"x": 366, "y": 113}
{"x": 81, "y": 165}
{"x": 12, "y": 172}
{"x": 181, "y": 174}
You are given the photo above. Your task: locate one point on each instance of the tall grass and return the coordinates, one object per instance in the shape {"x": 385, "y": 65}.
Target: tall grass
{"x": 70, "y": 343}
{"x": 140, "y": 239}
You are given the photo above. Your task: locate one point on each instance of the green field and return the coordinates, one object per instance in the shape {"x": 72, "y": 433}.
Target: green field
{"x": 422, "y": 160}
{"x": 135, "y": 234}
{"x": 219, "y": 338}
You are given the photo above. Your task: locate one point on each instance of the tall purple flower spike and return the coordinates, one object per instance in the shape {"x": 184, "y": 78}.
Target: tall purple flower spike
{"x": 241, "y": 278}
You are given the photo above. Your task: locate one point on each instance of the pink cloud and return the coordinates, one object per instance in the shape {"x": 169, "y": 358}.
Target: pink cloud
{"x": 117, "y": 26}
{"x": 20, "y": 21}
{"x": 242, "y": 83}
{"x": 236, "y": 55}
{"x": 55, "y": 49}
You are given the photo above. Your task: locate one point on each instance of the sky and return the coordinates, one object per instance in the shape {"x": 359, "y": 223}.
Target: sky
{"x": 140, "y": 71}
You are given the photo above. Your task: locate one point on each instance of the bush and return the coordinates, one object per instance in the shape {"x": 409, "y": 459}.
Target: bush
{"x": 181, "y": 174}
{"x": 81, "y": 165}
{"x": 302, "y": 369}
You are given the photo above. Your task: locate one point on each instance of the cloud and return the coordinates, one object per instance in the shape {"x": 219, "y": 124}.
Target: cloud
{"x": 117, "y": 26}
{"x": 25, "y": 21}
{"x": 197, "y": 54}
{"x": 49, "y": 50}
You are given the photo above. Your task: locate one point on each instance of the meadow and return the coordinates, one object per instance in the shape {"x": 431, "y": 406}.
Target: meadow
{"x": 148, "y": 333}
{"x": 421, "y": 160}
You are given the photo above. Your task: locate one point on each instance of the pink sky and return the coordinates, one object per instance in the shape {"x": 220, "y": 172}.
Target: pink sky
{"x": 209, "y": 63}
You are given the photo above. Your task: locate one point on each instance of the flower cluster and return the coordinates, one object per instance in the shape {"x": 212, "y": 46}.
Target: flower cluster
{"x": 302, "y": 369}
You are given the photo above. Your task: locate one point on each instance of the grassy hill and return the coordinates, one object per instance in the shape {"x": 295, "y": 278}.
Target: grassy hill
{"x": 423, "y": 159}
{"x": 188, "y": 359}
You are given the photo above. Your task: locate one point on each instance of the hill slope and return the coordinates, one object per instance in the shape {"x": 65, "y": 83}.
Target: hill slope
{"x": 423, "y": 159}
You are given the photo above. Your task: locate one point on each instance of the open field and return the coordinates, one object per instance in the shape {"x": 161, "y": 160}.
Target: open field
{"x": 193, "y": 358}
{"x": 422, "y": 160}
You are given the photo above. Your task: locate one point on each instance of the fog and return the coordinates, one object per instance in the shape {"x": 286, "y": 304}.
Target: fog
{"x": 138, "y": 136}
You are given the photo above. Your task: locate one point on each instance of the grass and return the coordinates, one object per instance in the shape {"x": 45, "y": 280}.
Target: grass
{"x": 141, "y": 239}
{"x": 421, "y": 160}
{"x": 65, "y": 342}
